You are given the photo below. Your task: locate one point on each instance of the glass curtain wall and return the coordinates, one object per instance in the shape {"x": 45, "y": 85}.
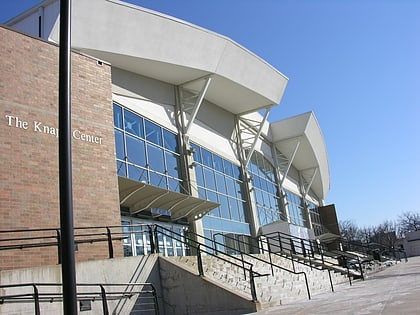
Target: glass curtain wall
{"x": 266, "y": 190}
{"x": 317, "y": 225}
{"x": 146, "y": 152}
{"x": 219, "y": 180}
{"x": 296, "y": 209}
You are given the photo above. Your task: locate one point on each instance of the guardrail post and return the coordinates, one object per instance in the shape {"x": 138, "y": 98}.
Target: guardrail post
{"x": 104, "y": 300}
{"x": 252, "y": 285}
{"x": 110, "y": 247}
{"x": 151, "y": 237}
{"x": 303, "y": 247}
{"x": 292, "y": 246}
{"x": 36, "y": 300}
{"x": 311, "y": 246}
{"x": 58, "y": 236}
{"x": 199, "y": 261}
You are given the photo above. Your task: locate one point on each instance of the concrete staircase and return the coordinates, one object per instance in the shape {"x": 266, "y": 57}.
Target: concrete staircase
{"x": 274, "y": 286}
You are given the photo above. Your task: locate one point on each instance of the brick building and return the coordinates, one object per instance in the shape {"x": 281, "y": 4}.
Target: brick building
{"x": 175, "y": 136}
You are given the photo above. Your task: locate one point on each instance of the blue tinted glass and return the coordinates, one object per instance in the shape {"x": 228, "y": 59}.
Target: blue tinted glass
{"x": 155, "y": 158}
{"x": 209, "y": 176}
{"x": 224, "y": 207}
{"x": 238, "y": 189}
{"x": 197, "y": 153}
{"x": 256, "y": 181}
{"x": 230, "y": 183}
{"x": 202, "y": 193}
{"x": 212, "y": 196}
{"x": 220, "y": 181}
{"x": 174, "y": 185}
{"x": 199, "y": 175}
{"x": 133, "y": 124}
{"x": 236, "y": 172}
{"x": 228, "y": 168}
{"x": 170, "y": 141}
{"x": 137, "y": 173}
{"x": 117, "y": 116}
{"x": 234, "y": 211}
{"x": 218, "y": 164}
{"x": 119, "y": 145}
{"x": 172, "y": 164}
{"x": 121, "y": 171}
{"x": 207, "y": 157}
{"x": 157, "y": 180}
{"x": 153, "y": 133}
{"x": 135, "y": 151}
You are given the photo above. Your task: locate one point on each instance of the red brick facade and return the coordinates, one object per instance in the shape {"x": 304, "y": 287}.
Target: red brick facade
{"x": 29, "y": 194}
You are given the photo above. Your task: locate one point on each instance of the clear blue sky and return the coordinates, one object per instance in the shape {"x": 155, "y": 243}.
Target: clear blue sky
{"x": 355, "y": 64}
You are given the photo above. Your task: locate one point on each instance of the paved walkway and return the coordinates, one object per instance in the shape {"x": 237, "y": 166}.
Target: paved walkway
{"x": 394, "y": 290}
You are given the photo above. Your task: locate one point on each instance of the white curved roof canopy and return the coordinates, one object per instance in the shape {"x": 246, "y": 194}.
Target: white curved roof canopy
{"x": 174, "y": 51}
{"x": 311, "y": 152}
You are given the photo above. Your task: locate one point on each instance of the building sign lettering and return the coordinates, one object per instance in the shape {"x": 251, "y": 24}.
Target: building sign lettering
{"x": 39, "y": 127}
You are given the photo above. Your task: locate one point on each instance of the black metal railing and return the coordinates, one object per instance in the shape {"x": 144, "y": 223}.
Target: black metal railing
{"x": 51, "y": 237}
{"x": 220, "y": 247}
{"x": 33, "y": 295}
{"x": 202, "y": 248}
{"x": 311, "y": 252}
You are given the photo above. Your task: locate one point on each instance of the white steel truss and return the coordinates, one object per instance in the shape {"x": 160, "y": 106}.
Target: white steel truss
{"x": 191, "y": 100}
{"x": 284, "y": 162}
{"x": 307, "y": 177}
{"x": 249, "y": 133}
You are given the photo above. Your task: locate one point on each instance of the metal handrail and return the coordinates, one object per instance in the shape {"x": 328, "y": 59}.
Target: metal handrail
{"x": 104, "y": 294}
{"x": 208, "y": 250}
{"x": 314, "y": 247}
{"x": 272, "y": 265}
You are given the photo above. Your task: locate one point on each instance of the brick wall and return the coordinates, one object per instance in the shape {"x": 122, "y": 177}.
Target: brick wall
{"x": 29, "y": 191}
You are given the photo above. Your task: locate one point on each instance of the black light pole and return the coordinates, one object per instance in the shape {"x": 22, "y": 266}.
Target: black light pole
{"x": 68, "y": 270}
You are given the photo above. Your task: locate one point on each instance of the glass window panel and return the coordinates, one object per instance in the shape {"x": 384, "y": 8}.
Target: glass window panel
{"x": 236, "y": 172}
{"x": 207, "y": 158}
{"x": 220, "y": 180}
{"x": 170, "y": 141}
{"x": 121, "y": 171}
{"x": 234, "y": 209}
{"x": 212, "y": 196}
{"x": 224, "y": 207}
{"x": 218, "y": 164}
{"x": 256, "y": 181}
{"x": 209, "y": 177}
{"x": 155, "y": 158}
{"x": 135, "y": 151}
{"x": 137, "y": 173}
{"x": 153, "y": 133}
{"x": 238, "y": 189}
{"x": 199, "y": 175}
{"x": 228, "y": 168}
{"x": 158, "y": 180}
{"x": 172, "y": 164}
{"x": 230, "y": 183}
{"x": 119, "y": 145}
{"x": 118, "y": 116}
{"x": 202, "y": 193}
{"x": 197, "y": 153}
{"x": 174, "y": 185}
{"x": 133, "y": 124}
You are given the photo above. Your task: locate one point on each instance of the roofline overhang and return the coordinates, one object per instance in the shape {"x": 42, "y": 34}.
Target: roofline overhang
{"x": 241, "y": 81}
{"x": 311, "y": 153}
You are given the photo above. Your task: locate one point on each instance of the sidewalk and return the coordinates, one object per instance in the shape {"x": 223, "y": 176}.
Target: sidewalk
{"x": 394, "y": 290}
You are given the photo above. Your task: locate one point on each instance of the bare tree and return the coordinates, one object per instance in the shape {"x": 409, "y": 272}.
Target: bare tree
{"x": 349, "y": 230}
{"x": 408, "y": 222}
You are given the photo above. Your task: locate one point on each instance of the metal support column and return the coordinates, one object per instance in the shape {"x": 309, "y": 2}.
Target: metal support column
{"x": 68, "y": 271}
